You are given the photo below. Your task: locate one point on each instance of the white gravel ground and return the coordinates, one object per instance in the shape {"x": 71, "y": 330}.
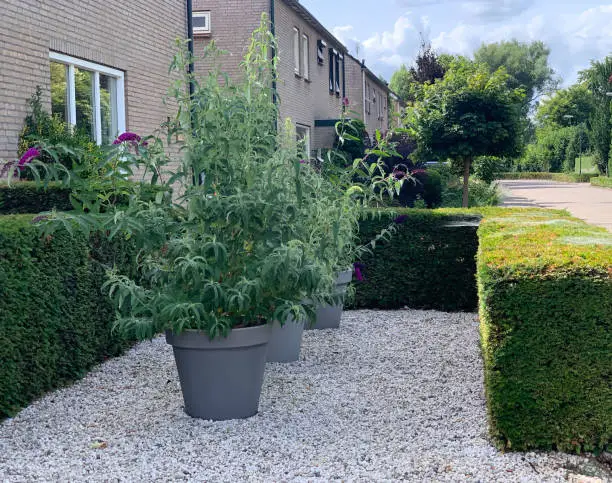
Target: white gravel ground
{"x": 389, "y": 396}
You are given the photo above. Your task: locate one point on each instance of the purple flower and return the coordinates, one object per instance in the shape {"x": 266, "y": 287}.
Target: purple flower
{"x": 398, "y": 174}
{"x": 28, "y": 156}
{"x": 40, "y": 218}
{"x": 303, "y": 161}
{"x": 400, "y": 219}
{"x": 358, "y": 268}
{"x": 128, "y": 137}
{"x": 345, "y": 101}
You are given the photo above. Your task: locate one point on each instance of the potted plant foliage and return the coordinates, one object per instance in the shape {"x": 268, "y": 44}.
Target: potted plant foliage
{"x": 228, "y": 255}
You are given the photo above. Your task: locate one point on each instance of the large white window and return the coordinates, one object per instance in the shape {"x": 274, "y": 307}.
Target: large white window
{"x": 89, "y": 96}
{"x": 296, "y": 50}
{"x": 201, "y": 23}
{"x": 305, "y": 57}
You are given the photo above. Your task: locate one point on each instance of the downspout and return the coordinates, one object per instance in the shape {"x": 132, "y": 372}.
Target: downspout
{"x": 363, "y": 91}
{"x": 190, "y": 69}
{"x": 343, "y": 76}
{"x": 273, "y": 51}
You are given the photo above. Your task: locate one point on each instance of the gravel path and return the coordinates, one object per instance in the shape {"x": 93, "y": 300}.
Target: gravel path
{"x": 389, "y": 396}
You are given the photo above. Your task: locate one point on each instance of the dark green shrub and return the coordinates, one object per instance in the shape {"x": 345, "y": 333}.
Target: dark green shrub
{"x": 480, "y": 194}
{"x": 354, "y": 149}
{"x": 432, "y": 188}
{"x": 54, "y": 320}
{"x": 545, "y": 289}
{"x": 486, "y": 167}
{"x": 28, "y": 197}
{"x": 428, "y": 264}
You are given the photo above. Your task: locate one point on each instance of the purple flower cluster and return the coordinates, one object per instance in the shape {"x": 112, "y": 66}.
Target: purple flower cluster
{"x": 27, "y": 157}
{"x": 128, "y": 137}
{"x": 400, "y": 219}
{"x": 358, "y": 271}
{"x": 399, "y": 174}
{"x": 345, "y": 101}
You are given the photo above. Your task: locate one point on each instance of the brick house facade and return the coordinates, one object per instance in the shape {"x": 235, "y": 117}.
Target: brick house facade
{"x": 124, "y": 51}
{"x": 315, "y": 71}
{"x": 107, "y": 65}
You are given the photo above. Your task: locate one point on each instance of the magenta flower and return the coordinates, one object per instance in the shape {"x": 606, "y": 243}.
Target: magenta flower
{"x": 128, "y": 137}
{"x": 345, "y": 101}
{"x": 400, "y": 219}
{"x": 418, "y": 171}
{"x": 28, "y": 156}
{"x": 358, "y": 268}
{"x": 398, "y": 174}
{"x": 303, "y": 161}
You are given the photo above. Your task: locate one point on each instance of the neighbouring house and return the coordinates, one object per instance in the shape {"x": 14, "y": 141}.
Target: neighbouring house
{"x": 315, "y": 72}
{"x": 103, "y": 67}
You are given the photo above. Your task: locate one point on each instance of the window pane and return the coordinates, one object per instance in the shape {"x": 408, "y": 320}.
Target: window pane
{"x": 83, "y": 80}
{"x": 108, "y": 108}
{"x": 305, "y": 55}
{"x": 199, "y": 22}
{"x": 59, "y": 90}
{"x": 296, "y": 50}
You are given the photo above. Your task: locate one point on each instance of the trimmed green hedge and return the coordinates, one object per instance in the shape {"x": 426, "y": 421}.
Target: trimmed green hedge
{"x": 27, "y": 197}
{"x": 428, "y": 264}
{"x": 54, "y": 320}
{"x": 545, "y": 304}
{"x": 545, "y": 290}
{"x": 563, "y": 177}
{"x": 602, "y": 181}
{"x": 23, "y": 197}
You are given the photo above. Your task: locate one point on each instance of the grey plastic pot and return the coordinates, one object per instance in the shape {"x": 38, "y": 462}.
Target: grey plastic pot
{"x": 328, "y": 316}
{"x": 221, "y": 379}
{"x": 286, "y": 341}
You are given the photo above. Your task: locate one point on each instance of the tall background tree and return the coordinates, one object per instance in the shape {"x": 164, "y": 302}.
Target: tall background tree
{"x": 526, "y": 64}
{"x": 408, "y": 82}
{"x": 471, "y": 112}
{"x": 598, "y": 79}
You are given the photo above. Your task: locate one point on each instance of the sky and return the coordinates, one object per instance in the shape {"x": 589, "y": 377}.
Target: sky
{"x": 386, "y": 33}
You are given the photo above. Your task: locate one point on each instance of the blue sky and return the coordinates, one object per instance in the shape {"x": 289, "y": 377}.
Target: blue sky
{"x": 386, "y": 32}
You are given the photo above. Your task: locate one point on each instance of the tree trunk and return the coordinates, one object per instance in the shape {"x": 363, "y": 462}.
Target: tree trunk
{"x": 466, "y": 178}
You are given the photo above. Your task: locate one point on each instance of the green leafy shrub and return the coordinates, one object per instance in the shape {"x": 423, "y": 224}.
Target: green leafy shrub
{"x": 432, "y": 188}
{"x": 562, "y": 177}
{"x": 602, "y": 181}
{"x": 480, "y": 194}
{"x": 486, "y": 167}
{"x": 545, "y": 290}
{"x": 428, "y": 264}
{"x": 55, "y": 323}
{"x": 43, "y": 129}
{"x": 360, "y": 140}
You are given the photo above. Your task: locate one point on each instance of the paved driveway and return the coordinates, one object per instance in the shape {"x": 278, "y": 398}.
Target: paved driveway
{"x": 582, "y": 200}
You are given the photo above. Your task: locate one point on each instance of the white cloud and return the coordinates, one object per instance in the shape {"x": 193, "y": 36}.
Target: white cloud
{"x": 495, "y": 10}
{"x": 390, "y": 41}
{"x": 573, "y": 39}
{"x": 343, "y": 33}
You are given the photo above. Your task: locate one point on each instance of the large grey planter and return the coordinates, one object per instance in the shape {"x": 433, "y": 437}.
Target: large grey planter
{"x": 328, "y": 316}
{"x": 286, "y": 341}
{"x": 221, "y": 379}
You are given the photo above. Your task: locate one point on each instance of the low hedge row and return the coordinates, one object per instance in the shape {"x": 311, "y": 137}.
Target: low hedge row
{"x": 24, "y": 197}
{"x": 563, "y": 177}
{"x": 54, "y": 320}
{"x": 602, "y": 181}
{"x": 545, "y": 291}
{"x": 429, "y": 263}
{"x": 545, "y": 304}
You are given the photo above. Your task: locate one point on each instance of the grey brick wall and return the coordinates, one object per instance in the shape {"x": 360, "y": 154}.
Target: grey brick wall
{"x": 136, "y": 37}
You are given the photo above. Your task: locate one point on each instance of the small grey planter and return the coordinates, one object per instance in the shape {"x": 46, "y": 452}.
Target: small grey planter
{"x": 221, "y": 379}
{"x": 328, "y": 316}
{"x": 286, "y": 341}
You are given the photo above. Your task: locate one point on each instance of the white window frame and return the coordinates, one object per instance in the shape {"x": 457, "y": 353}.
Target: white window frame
{"x": 305, "y": 130}
{"x": 296, "y": 50}
{"x": 96, "y": 69}
{"x": 305, "y": 56}
{"x": 202, "y": 30}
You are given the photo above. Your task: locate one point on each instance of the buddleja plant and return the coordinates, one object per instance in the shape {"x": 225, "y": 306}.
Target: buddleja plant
{"x": 245, "y": 240}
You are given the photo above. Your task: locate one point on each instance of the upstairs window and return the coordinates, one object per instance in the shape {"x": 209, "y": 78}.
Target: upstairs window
{"x": 88, "y": 96}
{"x": 296, "y": 50}
{"x": 201, "y": 23}
{"x": 334, "y": 71}
{"x": 305, "y": 56}
{"x": 321, "y": 46}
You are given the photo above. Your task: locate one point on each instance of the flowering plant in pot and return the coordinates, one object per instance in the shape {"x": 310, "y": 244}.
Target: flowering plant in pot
{"x": 228, "y": 255}
{"x": 349, "y": 189}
